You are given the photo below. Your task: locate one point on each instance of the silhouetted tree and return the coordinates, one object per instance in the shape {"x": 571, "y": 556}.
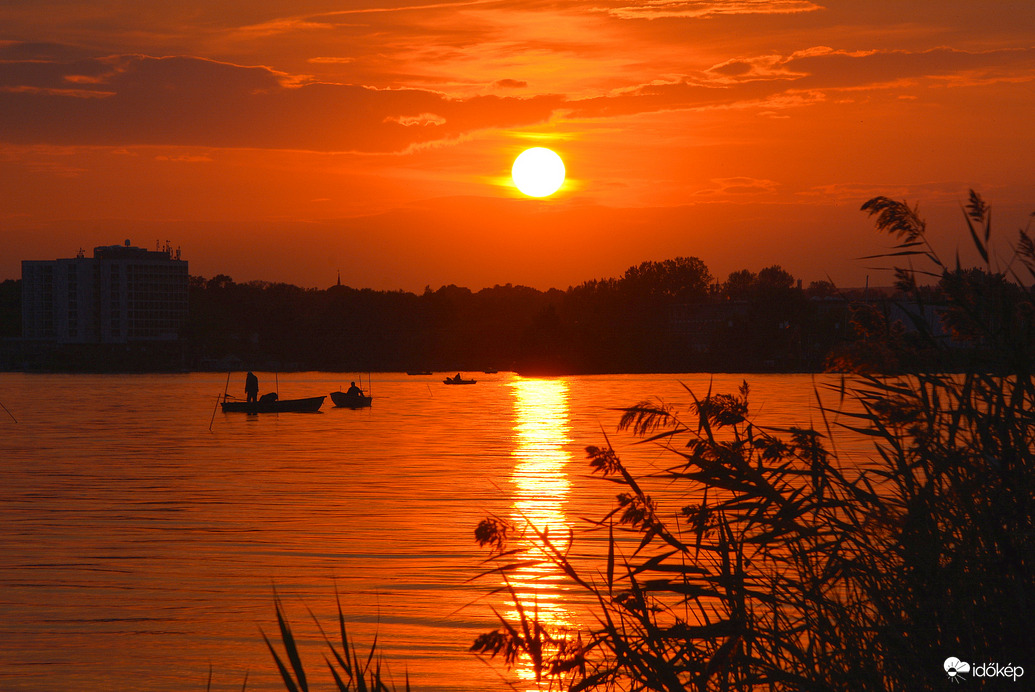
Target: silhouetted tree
{"x": 683, "y": 279}
{"x": 738, "y": 285}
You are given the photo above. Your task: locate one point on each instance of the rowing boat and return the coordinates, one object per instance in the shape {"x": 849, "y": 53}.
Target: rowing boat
{"x": 309, "y": 405}
{"x": 346, "y": 400}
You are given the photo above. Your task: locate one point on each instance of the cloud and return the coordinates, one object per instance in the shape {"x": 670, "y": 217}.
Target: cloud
{"x": 278, "y": 27}
{"x": 778, "y": 82}
{"x": 699, "y": 9}
{"x": 739, "y": 186}
{"x": 759, "y": 67}
{"x": 941, "y": 192}
{"x": 59, "y": 97}
{"x": 185, "y": 158}
{"x": 846, "y": 69}
{"x": 197, "y": 102}
{"x": 329, "y": 60}
{"x": 424, "y": 119}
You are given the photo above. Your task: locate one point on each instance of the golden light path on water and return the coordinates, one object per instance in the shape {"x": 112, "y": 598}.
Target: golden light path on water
{"x": 542, "y": 433}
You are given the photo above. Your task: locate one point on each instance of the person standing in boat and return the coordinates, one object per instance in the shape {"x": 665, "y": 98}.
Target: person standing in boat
{"x": 353, "y": 390}
{"x": 251, "y": 386}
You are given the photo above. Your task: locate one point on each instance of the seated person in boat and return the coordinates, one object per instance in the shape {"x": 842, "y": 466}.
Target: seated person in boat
{"x": 353, "y": 390}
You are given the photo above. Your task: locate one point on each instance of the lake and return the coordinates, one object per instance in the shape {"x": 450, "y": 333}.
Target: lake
{"x": 144, "y": 532}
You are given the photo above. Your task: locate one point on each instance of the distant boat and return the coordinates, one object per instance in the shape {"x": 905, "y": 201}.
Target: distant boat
{"x": 490, "y": 372}
{"x": 274, "y": 405}
{"x": 457, "y": 380}
{"x": 346, "y": 400}
{"x": 418, "y": 372}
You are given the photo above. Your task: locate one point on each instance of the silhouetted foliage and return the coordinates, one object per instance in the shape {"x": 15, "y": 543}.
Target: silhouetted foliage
{"x": 821, "y": 289}
{"x": 683, "y": 279}
{"x": 626, "y": 324}
{"x": 975, "y": 317}
{"x": 791, "y": 569}
{"x": 739, "y": 284}
{"x": 352, "y": 670}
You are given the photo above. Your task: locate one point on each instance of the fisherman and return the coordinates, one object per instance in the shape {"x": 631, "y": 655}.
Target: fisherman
{"x": 353, "y": 390}
{"x": 251, "y": 386}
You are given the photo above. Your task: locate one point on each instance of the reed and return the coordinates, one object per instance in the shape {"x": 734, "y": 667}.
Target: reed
{"x": 794, "y": 571}
{"x": 351, "y": 670}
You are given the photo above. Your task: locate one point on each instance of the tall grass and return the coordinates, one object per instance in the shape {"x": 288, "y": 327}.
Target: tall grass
{"x": 795, "y": 572}
{"x": 352, "y": 670}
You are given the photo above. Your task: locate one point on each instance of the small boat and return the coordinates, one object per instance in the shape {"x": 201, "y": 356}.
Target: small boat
{"x": 346, "y": 400}
{"x": 457, "y": 380}
{"x": 274, "y": 405}
{"x": 418, "y": 372}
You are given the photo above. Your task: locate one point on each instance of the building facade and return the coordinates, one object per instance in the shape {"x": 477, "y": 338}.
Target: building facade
{"x": 123, "y": 294}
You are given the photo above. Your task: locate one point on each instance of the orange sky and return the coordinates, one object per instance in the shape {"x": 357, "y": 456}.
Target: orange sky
{"x": 285, "y": 140}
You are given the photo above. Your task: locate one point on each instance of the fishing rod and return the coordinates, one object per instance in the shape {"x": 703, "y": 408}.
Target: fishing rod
{"x": 8, "y": 412}
{"x": 225, "y": 390}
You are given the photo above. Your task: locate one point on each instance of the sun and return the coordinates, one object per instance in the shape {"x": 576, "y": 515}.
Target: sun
{"x": 538, "y": 172}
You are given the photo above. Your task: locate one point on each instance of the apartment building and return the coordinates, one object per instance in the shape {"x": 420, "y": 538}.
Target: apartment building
{"x": 123, "y": 294}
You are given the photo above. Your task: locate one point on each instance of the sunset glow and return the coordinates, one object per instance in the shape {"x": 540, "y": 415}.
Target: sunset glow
{"x": 285, "y": 141}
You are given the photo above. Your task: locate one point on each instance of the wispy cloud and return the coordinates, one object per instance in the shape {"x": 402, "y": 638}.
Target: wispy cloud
{"x": 136, "y": 99}
{"x": 185, "y": 158}
{"x": 739, "y": 186}
{"x": 189, "y": 101}
{"x": 776, "y": 82}
{"x": 278, "y": 27}
{"x": 330, "y": 60}
{"x": 699, "y": 9}
{"x": 409, "y": 8}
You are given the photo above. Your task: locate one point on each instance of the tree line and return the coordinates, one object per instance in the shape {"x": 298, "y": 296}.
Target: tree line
{"x": 652, "y": 318}
{"x": 658, "y": 316}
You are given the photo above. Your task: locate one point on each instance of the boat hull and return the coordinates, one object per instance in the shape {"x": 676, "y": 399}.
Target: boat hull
{"x": 343, "y": 400}
{"x": 450, "y": 380}
{"x": 308, "y": 405}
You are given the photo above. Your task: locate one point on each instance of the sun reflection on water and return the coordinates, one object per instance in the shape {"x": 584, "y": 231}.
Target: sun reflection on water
{"x": 541, "y": 486}
{"x": 541, "y": 433}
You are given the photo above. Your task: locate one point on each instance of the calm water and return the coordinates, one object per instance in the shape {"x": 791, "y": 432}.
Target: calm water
{"x": 140, "y": 548}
